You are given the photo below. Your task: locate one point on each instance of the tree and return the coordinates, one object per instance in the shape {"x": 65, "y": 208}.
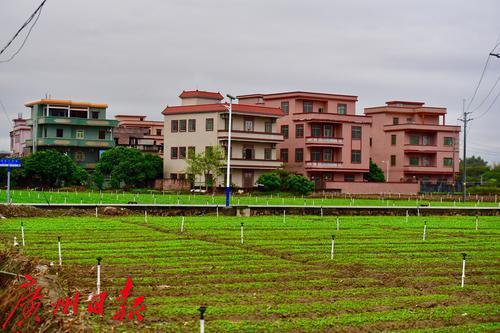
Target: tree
{"x": 128, "y": 167}
{"x": 476, "y": 167}
{"x": 271, "y": 181}
{"x": 375, "y": 174}
{"x": 298, "y": 184}
{"x": 52, "y": 168}
{"x": 209, "y": 162}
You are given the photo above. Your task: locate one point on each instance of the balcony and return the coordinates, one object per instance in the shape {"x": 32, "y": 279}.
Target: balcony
{"x": 430, "y": 149}
{"x": 242, "y": 163}
{"x": 68, "y": 142}
{"x": 431, "y": 169}
{"x": 421, "y": 127}
{"x": 323, "y": 165}
{"x": 237, "y": 135}
{"x": 310, "y": 140}
{"x": 74, "y": 121}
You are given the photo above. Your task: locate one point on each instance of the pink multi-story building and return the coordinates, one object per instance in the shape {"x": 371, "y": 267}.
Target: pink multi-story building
{"x": 18, "y": 136}
{"x": 324, "y": 138}
{"x": 137, "y": 132}
{"x": 411, "y": 142}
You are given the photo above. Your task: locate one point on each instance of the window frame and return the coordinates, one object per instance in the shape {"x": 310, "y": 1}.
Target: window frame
{"x": 356, "y": 152}
{"x": 209, "y": 124}
{"x": 182, "y": 125}
{"x": 299, "y": 155}
{"x": 101, "y": 137}
{"x": 174, "y": 153}
{"x": 285, "y": 131}
{"x": 78, "y": 136}
{"x": 304, "y": 106}
{"x": 182, "y": 153}
{"x": 341, "y": 106}
{"x": 284, "y": 151}
{"x": 287, "y": 109}
{"x": 174, "y": 126}
{"x": 191, "y": 125}
{"x": 299, "y": 130}
{"x": 394, "y": 139}
{"x": 354, "y": 130}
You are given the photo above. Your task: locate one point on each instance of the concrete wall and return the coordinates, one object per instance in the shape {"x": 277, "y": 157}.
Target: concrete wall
{"x": 374, "y": 188}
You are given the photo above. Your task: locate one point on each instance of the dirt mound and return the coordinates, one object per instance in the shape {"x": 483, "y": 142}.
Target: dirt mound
{"x": 21, "y": 211}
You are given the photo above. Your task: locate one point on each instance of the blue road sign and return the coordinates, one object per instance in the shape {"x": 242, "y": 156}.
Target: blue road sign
{"x": 10, "y": 162}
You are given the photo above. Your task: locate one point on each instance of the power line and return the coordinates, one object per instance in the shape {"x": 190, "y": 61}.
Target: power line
{"x": 487, "y": 95}
{"x": 39, "y": 11}
{"x": 5, "y": 112}
{"x": 489, "y": 107}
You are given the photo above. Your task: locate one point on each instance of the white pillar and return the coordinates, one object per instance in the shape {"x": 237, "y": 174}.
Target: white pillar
{"x": 99, "y": 275}
{"x": 22, "y": 233}
{"x": 59, "y": 250}
{"x": 241, "y": 232}
{"x": 463, "y": 268}
{"x": 425, "y": 230}
{"x": 333, "y": 246}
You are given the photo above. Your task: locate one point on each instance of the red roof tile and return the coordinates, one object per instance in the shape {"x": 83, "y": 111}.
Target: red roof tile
{"x": 237, "y": 108}
{"x": 201, "y": 94}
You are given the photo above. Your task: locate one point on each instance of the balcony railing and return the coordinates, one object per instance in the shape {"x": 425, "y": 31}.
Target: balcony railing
{"x": 422, "y": 127}
{"x": 324, "y": 139}
{"x": 68, "y": 142}
{"x": 238, "y": 135}
{"x": 255, "y": 163}
{"x": 323, "y": 164}
{"x": 75, "y": 121}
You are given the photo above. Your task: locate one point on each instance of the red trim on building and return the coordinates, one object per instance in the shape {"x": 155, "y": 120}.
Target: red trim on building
{"x": 237, "y": 108}
{"x": 201, "y": 94}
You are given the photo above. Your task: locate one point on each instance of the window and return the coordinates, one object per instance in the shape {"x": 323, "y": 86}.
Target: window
{"x": 393, "y": 139}
{"x": 79, "y": 156}
{"x": 341, "y": 108}
{"x": 315, "y": 155}
{"x": 174, "y": 153}
{"x": 410, "y": 120}
{"x": 327, "y": 155}
{"x": 307, "y": 107}
{"x": 426, "y": 161}
{"x": 95, "y": 115}
{"x": 448, "y": 141}
{"x": 209, "y": 124}
{"x": 173, "y": 176}
{"x": 284, "y": 131}
{"x": 158, "y": 131}
{"x": 285, "y": 106}
{"x": 316, "y": 131}
{"x": 58, "y": 112}
{"x": 426, "y": 140}
{"x": 174, "y": 126}
{"x": 299, "y": 154}
{"x": 299, "y": 130}
{"x": 268, "y": 127}
{"x": 356, "y": 132}
{"x": 192, "y": 125}
{"x": 414, "y": 161}
{"x": 248, "y": 152}
{"x": 191, "y": 151}
{"x": 268, "y": 153}
{"x": 414, "y": 140}
{"x": 102, "y": 134}
{"x": 371, "y": 141}
{"x": 59, "y": 132}
{"x": 45, "y": 132}
{"x": 448, "y": 161}
{"x": 182, "y": 153}
{"x": 349, "y": 178}
{"x": 284, "y": 155}
{"x": 328, "y": 130}
{"x": 393, "y": 160}
{"x": 356, "y": 156}
{"x": 80, "y": 134}
{"x": 248, "y": 125}
{"x": 321, "y": 110}
{"x": 182, "y": 125}
{"x": 78, "y": 114}
{"x": 395, "y": 121}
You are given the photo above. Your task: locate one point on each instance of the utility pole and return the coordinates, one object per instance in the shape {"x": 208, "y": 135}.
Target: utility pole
{"x": 465, "y": 120}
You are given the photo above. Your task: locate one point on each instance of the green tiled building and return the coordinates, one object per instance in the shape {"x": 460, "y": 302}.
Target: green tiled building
{"x": 79, "y": 129}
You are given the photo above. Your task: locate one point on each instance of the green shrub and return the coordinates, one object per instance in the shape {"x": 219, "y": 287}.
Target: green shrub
{"x": 271, "y": 181}
{"x": 298, "y": 184}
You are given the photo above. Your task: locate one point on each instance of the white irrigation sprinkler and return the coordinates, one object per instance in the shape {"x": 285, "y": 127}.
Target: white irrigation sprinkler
{"x": 202, "y": 310}
{"x": 182, "y": 224}
{"x": 15, "y": 242}
{"x": 241, "y": 232}
{"x": 407, "y": 216}
{"x": 59, "y": 250}
{"x": 333, "y": 247}
{"x": 418, "y": 211}
{"x": 321, "y": 211}
{"x": 425, "y": 230}
{"x": 463, "y": 268}
{"x": 22, "y": 233}
{"x": 284, "y": 215}
{"x": 217, "y": 210}
{"x": 338, "y": 223}
{"x": 99, "y": 275}
{"x": 477, "y": 223}
{"x": 146, "y": 216}
{"x": 96, "y": 213}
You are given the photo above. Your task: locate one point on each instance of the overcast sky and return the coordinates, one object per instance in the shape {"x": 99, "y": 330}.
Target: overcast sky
{"x": 137, "y": 56}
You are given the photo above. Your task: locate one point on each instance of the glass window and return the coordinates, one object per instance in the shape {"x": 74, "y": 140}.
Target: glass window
{"x": 414, "y": 140}
{"x": 209, "y": 124}
{"x": 349, "y": 178}
{"x": 174, "y": 153}
{"x": 284, "y": 155}
{"x": 395, "y": 121}
{"x": 356, "y": 156}
{"x": 80, "y": 134}
{"x": 426, "y": 140}
{"x": 299, "y": 154}
{"x": 328, "y": 130}
{"x": 356, "y": 132}
{"x": 284, "y": 131}
{"x": 102, "y": 134}
{"x": 268, "y": 153}
{"x": 327, "y": 155}
{"x": 79, "y": 156}
{"x": 268, "y": 127}
{"x": 448, "y": 161}
{"x": 307, "y": 107}
{"x": 285, "y": 106}
{"x": 182, "y": 125}
{"x": 182, "y": 152}
{"x": 248, "y": 125}
{"x": 59, "y": 132}
{"x": 448, "y": 141}
{"x": 426, "y": 161}
{"x": 341, "y": 108}
{"x": 393, "y": 139}
{"x": 316, "y": 155}
{"x": 58, "y": 112}
{"x": 393, "y": 160}
{"x": 299, "y": 130}
{"x": 414, "y": 161}
{"x": 78, "y": 114}
{"x": 192, "y": 125}
{"x": 158, "y": 131}
{"x": 174, "y": 126}
{"x": 95, "y": 115}
{"x": 316, "y": 130}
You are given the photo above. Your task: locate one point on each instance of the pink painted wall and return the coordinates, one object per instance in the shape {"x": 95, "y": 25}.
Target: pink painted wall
{"x": 374, "y": 188}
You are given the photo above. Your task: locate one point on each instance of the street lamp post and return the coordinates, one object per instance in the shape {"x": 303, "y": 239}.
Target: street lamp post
{"x": 228, "y": 170}
{"x": 386, "y": 171}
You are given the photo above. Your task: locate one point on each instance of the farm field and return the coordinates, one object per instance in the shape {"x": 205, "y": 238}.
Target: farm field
{"x": 383, "y": 276}
{"x": 120, "y": 197}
